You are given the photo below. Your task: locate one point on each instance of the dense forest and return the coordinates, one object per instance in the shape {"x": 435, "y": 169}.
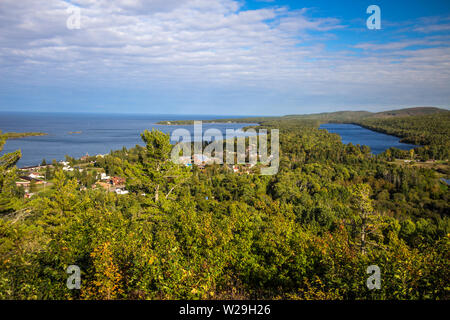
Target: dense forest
{"x": 308, "y": 232}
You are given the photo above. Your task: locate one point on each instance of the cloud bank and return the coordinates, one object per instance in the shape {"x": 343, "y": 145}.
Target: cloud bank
{"x": 212, "y": 53}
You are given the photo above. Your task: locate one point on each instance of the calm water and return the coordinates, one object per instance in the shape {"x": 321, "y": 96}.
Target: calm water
{"x": 100, "y": 133}
{"x": 378, "y": 142}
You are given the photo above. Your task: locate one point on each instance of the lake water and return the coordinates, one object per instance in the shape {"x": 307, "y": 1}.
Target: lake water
{"x": 378, "y": 142}
{"x": 100, "y": 133}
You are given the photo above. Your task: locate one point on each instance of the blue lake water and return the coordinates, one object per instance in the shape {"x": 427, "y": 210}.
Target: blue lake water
{"x": 378, "y": 142}
{"x": 100, "y": 133}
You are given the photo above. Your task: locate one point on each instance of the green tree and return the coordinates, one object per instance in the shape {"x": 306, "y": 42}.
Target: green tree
{"x": 8, "y": 175}
{"x": 155, "y": 173}
{"x": 366, "y": 219}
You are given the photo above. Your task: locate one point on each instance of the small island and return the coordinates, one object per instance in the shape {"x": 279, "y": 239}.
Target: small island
{"x": 18, "y": 135}
{"x": 191, "y": 122}
{"x": 175, "y": 123}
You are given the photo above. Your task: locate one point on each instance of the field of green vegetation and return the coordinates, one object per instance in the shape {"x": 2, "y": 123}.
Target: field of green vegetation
{"x": 308, "y": 232}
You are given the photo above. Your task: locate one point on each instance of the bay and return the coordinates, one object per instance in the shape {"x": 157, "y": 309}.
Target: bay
{"x": 79, "y": 134}
{"x": 378, "y": 142}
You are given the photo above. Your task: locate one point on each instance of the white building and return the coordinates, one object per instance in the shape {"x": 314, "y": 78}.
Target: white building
{"x": 103, "y": 176}
{"x": 184, "y": 160}
{"x": 120, "y": 191}
{"x": 200, "y": 158}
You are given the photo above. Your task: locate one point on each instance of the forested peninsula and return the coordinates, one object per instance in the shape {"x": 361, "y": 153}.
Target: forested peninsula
{"x": 18, "y": 135}
{"x": 426, "y": 126}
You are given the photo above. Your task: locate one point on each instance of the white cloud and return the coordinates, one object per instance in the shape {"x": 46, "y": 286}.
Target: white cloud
{"x": 204, "y": 43}
{"x": 180, "y": 33}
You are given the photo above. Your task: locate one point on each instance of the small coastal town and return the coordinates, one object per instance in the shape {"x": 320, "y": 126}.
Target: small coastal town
{"x": 34, "y": 179}
{"x": 91, "y": 174}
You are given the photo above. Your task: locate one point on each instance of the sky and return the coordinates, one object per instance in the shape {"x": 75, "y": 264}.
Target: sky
{"x": 227, "y": 57}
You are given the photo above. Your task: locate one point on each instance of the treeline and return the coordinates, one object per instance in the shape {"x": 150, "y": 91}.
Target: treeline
{"x": 308, "y": 232}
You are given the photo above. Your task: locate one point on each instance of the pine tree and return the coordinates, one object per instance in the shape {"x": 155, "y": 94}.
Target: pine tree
{"x": 7, "y": 177}
{"x": 155, "y": 173}
{"x": 367, "y": 221}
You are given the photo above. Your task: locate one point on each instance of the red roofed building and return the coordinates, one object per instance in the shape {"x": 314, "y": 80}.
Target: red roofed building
{"x": 118, "y": 181}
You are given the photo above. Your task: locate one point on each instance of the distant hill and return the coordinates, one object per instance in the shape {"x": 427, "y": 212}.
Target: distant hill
{"x": 418, "y": 111}
{"x": 338, "y": 116}
{"x": 344, "y": 116}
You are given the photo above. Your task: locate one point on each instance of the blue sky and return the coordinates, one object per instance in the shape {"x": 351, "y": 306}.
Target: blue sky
{"x": 223, "y": 56}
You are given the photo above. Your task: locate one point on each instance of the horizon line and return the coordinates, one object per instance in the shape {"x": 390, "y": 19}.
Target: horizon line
{"x": 220, "y": 115}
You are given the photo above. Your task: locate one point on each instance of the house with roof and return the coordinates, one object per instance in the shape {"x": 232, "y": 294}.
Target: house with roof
{"x": 117, "y": 181}
{"x": 200, "y": 159}
{"x": 35, "y": 176}
{"x": 121, "y": 191}
{"x": 30, "y": 179}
